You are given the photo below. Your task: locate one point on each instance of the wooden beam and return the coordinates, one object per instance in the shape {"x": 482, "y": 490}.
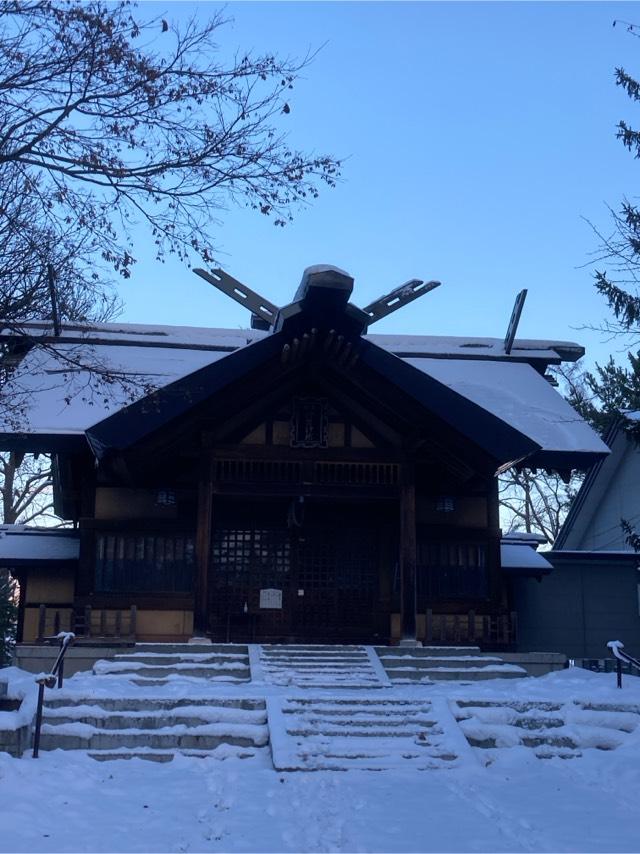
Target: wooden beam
{"x": 408, "y": 554}
{"x": 203, "y": 550}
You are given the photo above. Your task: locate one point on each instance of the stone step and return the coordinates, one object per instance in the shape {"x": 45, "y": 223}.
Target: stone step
{"x": 80, "y": 736}
{"x": 149, "y": 722}
{"x": 318, "y": 667}
{"x": 405, "y": 663}
{"x": 352, "y": 732}
{"x": 355, "y": 703}
{"x": 306, "y": 648}
{"x": 190, "y": 648}
{"x": 548, "y": 729}
{"x": 455, "y": 674}
{"x": 196, "y": 658}
{"x": 133, "y": 704}
{"x": 355, "y": 715}
{"x": 426, "y": 651}
{"x": 235, "y": 671}
{"x": 188, "y": 716}
{"x": 361, "y": 725}
{"x": 224, "y": 751}
{"x": 326, "y": 732}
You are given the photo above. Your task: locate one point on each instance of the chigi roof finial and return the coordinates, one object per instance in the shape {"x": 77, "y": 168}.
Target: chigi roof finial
{"x": 323, "y": 288}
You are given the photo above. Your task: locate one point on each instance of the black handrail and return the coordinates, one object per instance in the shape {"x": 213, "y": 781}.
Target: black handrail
{"x": 617, "y": 648}
{"x": 49, "y": 680}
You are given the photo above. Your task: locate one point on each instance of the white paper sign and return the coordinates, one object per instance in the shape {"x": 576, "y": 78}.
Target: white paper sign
{"x": 270, "y": 598}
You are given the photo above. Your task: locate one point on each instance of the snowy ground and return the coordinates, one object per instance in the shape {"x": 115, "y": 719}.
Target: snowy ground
{"x": 65, "y": 801}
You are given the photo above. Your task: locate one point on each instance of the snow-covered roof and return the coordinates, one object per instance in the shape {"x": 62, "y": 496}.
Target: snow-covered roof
{"x": 19, "y": 543}
{"x": 529, "y": 537}
{"x": 57, "y": 393}
{"x": 192, "y": 337}
{"x": 53, "y": 394}
{"x": 519, "y": 396}
{"x": 521, "y": 558}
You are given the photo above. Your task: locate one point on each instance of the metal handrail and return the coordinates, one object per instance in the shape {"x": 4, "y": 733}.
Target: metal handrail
{"x": 49, "y": 680}
{"x": 617, "y": 648}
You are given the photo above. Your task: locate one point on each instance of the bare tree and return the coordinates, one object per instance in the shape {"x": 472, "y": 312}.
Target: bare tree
{"x": 107, "y": 121}
{"x": 535, "y": 502}
{"x": 26, "y": 489}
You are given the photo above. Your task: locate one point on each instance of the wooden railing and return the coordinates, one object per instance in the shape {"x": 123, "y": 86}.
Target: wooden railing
{"x": 88, "y": 622}
{"x": 617, "y": 648}
{"x": 484, "y": 629}
{"x": 48, "y": 680}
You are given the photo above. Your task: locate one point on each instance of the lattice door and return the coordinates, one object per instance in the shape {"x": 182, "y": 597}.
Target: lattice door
{"x": 336, "y": 573}
{"x": 244, "y": 562}
{"x": 328, "y": 577}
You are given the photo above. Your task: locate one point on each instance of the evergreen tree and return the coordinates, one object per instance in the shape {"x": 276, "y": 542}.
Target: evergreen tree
{"x": 616, "y": 388}
{"x": 8, "y": 616}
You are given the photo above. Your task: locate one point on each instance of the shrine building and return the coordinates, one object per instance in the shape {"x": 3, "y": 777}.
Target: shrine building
{"x": 299, "y": 481}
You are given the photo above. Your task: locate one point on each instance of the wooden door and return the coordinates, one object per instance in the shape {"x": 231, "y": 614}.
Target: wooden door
{"x": 314, "y": 582}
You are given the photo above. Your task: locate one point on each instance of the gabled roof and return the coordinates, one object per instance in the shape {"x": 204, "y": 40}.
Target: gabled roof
{"x": 501, "y": 401}
{"x": 604, "y": 478}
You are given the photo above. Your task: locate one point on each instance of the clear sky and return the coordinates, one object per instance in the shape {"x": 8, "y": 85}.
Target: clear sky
{"x": 478, "y": 137}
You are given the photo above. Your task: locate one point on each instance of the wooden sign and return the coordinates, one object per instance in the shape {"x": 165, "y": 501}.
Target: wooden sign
{"x": 271, "y": 598}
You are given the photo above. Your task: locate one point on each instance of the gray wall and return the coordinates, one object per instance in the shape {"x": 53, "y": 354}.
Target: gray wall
{"x": 581, "y": 605}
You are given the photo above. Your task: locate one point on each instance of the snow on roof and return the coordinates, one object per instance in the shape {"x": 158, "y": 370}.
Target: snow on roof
{"x": 478, "y": 348}
{"x": 521, "y": 397}
{"x": 159, "y": 335}
{"x": 521, "y": 556}
{"x": 54, "y": 396}
{"x": 18, "y": 543}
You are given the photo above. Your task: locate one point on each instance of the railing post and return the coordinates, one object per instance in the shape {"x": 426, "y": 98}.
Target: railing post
{"x": 36, "y": 735}
{"x": 133, "y": 615}
{"x": 87, "y": 621}
{"x": 619, "y": 672}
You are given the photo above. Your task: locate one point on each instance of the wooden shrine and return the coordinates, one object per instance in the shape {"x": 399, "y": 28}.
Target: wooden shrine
{"x": 310, "y": 484}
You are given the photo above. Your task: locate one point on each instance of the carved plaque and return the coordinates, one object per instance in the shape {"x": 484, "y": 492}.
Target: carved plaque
{"x": 270, "y": 598}
{"x": 309, "y": 423}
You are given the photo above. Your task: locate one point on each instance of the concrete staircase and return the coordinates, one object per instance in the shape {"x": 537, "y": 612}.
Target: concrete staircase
{"x": 422, "y": 665}
{"x": 150, "y": 728}
{"x": 157, "y": 664}
{"x": 352, "y": 732}
{"x": 320, "y": 666}
{"x": 561, "y": 730}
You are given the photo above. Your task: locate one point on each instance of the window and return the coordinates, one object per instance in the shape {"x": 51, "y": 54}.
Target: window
{"x": 144, "y": 562}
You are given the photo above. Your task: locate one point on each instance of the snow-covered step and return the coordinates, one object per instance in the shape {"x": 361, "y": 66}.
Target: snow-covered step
{"x": 550, "y": 729}
{"x": 118, "y": 727}
{"x": 351, "y": 732}
{"x": 427, "y": 664}
{"x": 154, "y": 664}
{"x": 321, "y": 666}
{"x": 223, "y": 751}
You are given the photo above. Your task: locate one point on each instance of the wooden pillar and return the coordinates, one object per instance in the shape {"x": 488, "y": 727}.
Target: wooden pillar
{"x": 408, "y": 555}
{"x": 203, "y": 550}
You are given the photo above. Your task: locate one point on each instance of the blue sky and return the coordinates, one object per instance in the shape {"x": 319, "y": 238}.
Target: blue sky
{"x": 478, "y": 137}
